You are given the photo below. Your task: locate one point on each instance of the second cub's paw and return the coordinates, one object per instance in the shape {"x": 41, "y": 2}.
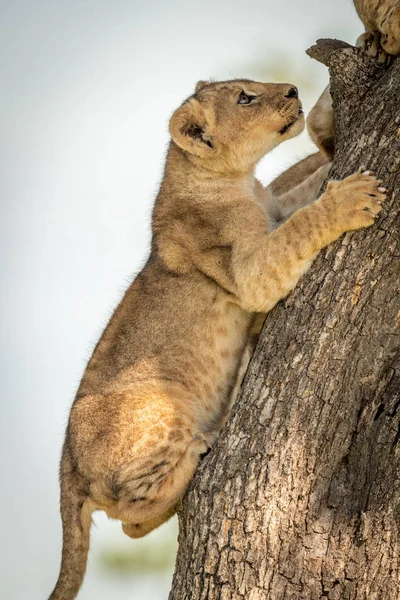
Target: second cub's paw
{"x": 357, "y": 200}
{"x": 371, "y": 42}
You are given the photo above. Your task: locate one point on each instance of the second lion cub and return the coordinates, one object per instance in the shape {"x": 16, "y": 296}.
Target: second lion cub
{"x": 159, "y": 384}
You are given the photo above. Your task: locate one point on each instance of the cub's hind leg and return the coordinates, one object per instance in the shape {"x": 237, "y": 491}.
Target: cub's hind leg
{"x": 158, "y": 504}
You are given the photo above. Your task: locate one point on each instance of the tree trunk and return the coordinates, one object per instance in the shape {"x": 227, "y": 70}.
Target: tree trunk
{"x": 300, "y": 497}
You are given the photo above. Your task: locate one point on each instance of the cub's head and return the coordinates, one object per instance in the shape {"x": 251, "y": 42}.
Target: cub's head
{"x": 228, "y": 126}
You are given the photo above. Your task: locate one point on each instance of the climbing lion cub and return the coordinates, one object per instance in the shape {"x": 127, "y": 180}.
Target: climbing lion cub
{"x": 162, "y": 377}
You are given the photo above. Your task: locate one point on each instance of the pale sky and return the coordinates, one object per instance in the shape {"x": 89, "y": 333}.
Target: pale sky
{"x": 87, "y": 88}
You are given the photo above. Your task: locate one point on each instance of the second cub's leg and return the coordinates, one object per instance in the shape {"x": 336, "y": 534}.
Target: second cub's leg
{"x": 307, "y": 191}
{"x": 298, "y": 173}
{"x": 320, "y": 124}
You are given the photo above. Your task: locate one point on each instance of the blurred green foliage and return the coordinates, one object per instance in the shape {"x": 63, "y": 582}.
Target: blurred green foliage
{"x": 155, "y": 553}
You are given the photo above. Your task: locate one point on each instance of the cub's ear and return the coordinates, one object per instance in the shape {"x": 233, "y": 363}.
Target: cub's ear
{"x": 190, "y": 129}
{"x": 200, "y": 85}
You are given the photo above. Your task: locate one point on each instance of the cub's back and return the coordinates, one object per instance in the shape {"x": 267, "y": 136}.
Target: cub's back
{"x": 162, "y": 318}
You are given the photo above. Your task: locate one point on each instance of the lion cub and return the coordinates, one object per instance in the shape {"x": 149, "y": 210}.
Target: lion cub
{"x": 159, "y": 384}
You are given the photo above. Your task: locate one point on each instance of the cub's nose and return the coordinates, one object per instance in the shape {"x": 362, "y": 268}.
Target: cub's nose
{"x": 292, "y": 93}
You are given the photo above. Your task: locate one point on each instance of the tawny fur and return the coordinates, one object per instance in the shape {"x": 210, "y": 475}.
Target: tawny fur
{"x": 320, "y": 124}
{"x": 162, "y": 378}
{"x": 381, "y": 19}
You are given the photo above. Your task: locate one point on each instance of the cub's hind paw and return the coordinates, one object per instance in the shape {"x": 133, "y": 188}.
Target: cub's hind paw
{"x": 203, "y": 442}
{"x": 138, "y": 530}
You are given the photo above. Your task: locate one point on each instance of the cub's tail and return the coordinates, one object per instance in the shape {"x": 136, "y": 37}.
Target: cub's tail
{"x": 76, "y": 519}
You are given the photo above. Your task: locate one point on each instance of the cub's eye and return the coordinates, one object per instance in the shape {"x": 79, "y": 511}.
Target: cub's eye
{"x": 245, "y": 98}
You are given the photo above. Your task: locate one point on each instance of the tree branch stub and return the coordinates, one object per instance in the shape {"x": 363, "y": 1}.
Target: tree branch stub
{"x": 352, "y": 71}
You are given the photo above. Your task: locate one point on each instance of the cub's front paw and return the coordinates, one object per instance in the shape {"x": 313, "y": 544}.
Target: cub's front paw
{"x": 357, "y": 200}
{"x": 370, "y": 41}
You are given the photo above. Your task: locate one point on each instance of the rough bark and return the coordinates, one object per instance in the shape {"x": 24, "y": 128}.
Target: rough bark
{"x": 300, "y": 498}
